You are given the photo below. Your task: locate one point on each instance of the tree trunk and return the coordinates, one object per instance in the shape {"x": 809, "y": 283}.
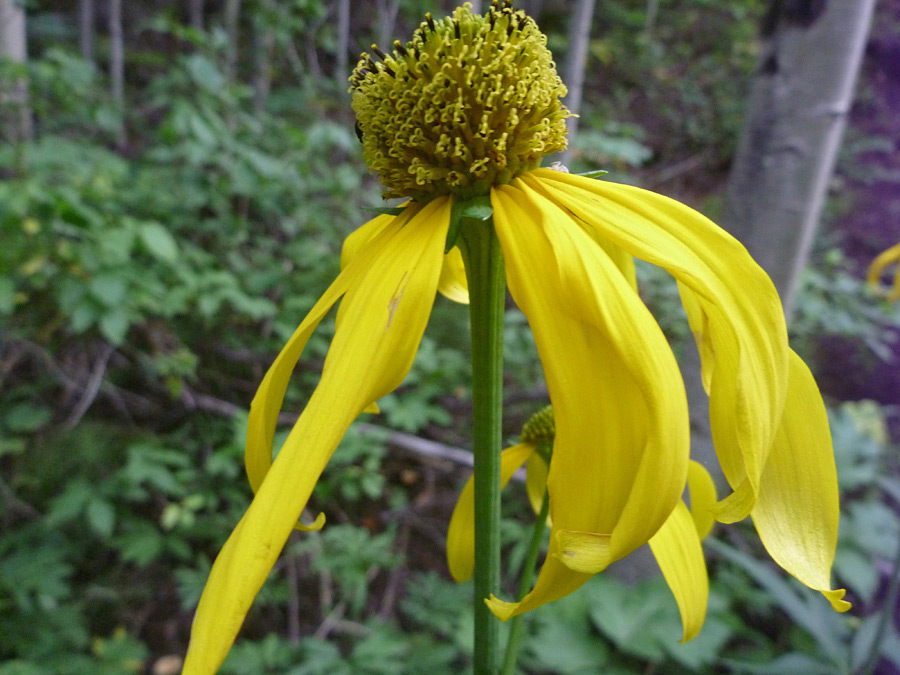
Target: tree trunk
{"x": 15, "y": 113}
{"x": 232, "y": 13}
{"x": 117, "y": 65}
{"x": 343, "y": 44}
{"x": 576, "y": 62}
{"x": 387, "y": 18}
{"x": 263, "y": 43}
{"x": 86, "y": 29}
{"x": 797, "y": 112}
{"x": 195, "y": 14}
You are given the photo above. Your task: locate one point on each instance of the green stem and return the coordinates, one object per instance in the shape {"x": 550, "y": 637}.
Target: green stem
{"x": 487, "y": 294}
{"x": 516, "y": 626}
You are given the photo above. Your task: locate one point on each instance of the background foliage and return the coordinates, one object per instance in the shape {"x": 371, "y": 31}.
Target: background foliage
{"x": 146, "y": 285}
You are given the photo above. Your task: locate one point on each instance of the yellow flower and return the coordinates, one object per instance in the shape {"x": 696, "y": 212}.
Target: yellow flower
{"x": 878, "y": 267}
{"x": 676, "y": 545}
{"x": 467, "y": 109}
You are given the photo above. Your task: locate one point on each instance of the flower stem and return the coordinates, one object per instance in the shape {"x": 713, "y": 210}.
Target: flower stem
{"x": 487, "y": 294}
{"x": 516, "y": 626}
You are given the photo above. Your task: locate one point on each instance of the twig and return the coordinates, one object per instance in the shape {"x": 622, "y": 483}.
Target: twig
{"x": 398, "y": 439}
{"x": 293, "y": 618}
{"x": 13, "y": 503}
{"x": 394, "y": 578}
{"x": 91, "y": 387}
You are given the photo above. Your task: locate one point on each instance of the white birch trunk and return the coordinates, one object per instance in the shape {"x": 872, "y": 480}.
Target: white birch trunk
{"x": 117, "y": 64}
{"x": 86, "y": 29}
{"x": 14, "y": 94}
{"x": 795, "y": 120}
{"x": 576, "y": 62}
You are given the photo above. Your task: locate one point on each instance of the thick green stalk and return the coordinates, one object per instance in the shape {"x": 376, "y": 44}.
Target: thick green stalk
{"x": 487, "y": 293}
{"x": 516, "y": 625}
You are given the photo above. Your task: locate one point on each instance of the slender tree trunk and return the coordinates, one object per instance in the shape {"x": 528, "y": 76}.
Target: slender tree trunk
{"x": 576, "y": 62}
{"x": 117, "y": 65}
{"x": 533, "y": 8}
{"x": 15, "y": 114}
{"x": 387, "y": 18}
{"x": 264, "y": 43}
{"x": 476, "y": 6}
{"x": 195, "y": 14}
{"x": 343, "y": 44}
{"x": 797, "y": 112}
{"x": 232, "y": 14}
{"x": 650, "y": 20}
{"x": 86, "y": 29}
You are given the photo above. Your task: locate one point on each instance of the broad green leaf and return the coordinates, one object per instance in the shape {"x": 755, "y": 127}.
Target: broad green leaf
{"x": 159, "y": 242}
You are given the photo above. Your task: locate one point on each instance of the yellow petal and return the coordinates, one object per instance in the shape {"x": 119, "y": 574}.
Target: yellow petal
{"x": 356, "y": 241}
{"x": 585, "y": 552}
{"x": 677, "y": 550}
{"x": 620, "y": 454}
{"x": 389, "y": 296}
{"x": 453, "y": 283}
{"x": 703, "y": 498}
{"x": 797, "y": 510}
{"x": 536, "y": 481}
{"x": 461, "y": 533}
{"x": 878, "y": 267}
{"x": 742, "y": 328}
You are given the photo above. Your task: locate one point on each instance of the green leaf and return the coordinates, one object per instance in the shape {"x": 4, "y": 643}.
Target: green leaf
{"x": 25, "y": 418}
{"x": 158, "y": 242}
{"x": 101, "y": 516}
{"x": 7, "y": 295}
{"x": 110, "y": 289}
{"x": 476, "y": 208}
{"x": 114, "y": 326}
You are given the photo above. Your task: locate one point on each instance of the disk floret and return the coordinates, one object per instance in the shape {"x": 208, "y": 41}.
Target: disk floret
{"x": 470, "y": 102}
{"x": 540, "y": 429}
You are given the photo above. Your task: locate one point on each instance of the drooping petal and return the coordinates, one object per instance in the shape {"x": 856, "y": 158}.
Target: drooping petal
{"x": 677, "y": 550}
{"x": 389, "y": 293}
{"x": 536, "y": 481}
{"x": 453, "y": 283}
{"x": 461, "y": 533}
{"x": 356, "y": 241}
{"x": 878, "y": 267}
{"x": 742, "y": 323}
{"x": 703, "y": 498}
{"x": 621, "y": 448}
{"x": 797, "y": 510}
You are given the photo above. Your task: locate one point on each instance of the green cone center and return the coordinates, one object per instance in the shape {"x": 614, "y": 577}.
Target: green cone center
{"x": 540, "y": 429}
{"x": 470, "y": 102}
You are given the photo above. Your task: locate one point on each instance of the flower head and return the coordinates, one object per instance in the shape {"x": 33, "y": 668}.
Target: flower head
{"x": 470, "y": 102}
{"x": 466, "y": 108}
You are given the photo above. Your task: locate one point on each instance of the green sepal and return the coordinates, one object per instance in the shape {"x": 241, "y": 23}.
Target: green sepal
{"x": 476, "y": 208}
{"x": 593, "y": 174}
{"x": 385, "y": 210}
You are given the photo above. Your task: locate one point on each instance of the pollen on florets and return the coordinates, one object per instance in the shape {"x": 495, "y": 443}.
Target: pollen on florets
{"x": 470, "y": 102}
{"x": 540, "y": 429}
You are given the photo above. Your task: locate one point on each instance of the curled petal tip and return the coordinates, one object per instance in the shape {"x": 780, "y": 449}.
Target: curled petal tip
{"x": 501, "y": 609}
{"x": 315, "y": 526}
{"x": 736, "y": 506}
{"x": 836, "y": 599}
